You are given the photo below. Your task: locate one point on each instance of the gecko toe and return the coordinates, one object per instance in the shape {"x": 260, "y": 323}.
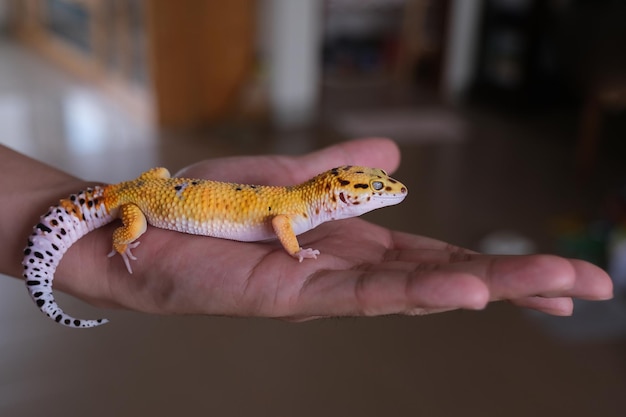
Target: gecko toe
{"x": 126, "y": 255}
{"x": 307, "y": 254}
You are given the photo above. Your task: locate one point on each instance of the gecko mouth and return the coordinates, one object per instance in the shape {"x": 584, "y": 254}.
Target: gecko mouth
{"x": 388, "y": 198}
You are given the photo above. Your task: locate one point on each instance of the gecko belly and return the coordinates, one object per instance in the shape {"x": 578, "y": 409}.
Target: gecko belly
{"x": 224, "y": 229}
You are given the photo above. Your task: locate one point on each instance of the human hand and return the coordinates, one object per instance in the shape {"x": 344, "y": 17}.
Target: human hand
{"x": 364, "y": 269}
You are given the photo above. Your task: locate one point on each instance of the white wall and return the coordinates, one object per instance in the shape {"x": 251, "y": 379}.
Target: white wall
{"x": 461, "y": 52}
{"x": 294, "y": 48}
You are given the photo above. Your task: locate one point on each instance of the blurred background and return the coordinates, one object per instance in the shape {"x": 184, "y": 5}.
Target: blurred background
{"x": 511, "y": 116}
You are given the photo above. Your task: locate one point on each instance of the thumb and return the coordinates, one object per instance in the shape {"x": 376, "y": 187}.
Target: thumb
{"x": 290, "y": 170}
{"x": 372, "y": 152}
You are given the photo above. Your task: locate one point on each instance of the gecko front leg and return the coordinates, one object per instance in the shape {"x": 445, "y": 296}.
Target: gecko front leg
{"x": 287, "y": 237}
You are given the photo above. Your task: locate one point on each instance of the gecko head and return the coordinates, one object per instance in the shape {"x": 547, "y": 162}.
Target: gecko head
{"x": 359, "y": 190}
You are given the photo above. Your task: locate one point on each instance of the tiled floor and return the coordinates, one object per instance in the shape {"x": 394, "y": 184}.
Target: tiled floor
{"x": 499, "y": 362}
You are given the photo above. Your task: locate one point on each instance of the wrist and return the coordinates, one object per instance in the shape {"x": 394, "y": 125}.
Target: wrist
{"x": 27, "y": 189}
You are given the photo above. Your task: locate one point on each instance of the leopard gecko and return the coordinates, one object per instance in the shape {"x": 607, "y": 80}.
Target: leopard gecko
{"x": 202, "y": 207}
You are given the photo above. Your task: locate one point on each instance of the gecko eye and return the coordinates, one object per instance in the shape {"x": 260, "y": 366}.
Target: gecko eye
{"x": 377, "y": 185}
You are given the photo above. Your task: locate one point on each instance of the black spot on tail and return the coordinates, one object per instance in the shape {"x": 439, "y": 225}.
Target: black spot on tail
{"x": 43, "y": 228}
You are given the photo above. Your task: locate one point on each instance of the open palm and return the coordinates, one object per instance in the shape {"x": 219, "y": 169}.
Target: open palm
{"x": 364, "y": 269}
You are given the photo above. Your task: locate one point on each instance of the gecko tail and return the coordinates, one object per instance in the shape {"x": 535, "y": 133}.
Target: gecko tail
{"x": 45, "y": 299}
{"x": 56, "y": 231}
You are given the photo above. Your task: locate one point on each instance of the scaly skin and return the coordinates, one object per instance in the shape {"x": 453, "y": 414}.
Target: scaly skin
{"x": 201, "y": 207}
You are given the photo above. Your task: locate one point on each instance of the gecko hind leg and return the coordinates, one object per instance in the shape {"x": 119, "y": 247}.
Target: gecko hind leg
{"x": 125, "y": 237}
{"x": 127, "y": 255}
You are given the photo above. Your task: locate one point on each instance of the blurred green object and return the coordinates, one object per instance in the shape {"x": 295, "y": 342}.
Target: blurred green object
{"x": 587, "y": 241}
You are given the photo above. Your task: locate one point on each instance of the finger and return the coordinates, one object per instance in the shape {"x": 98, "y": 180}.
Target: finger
{"x": 288, "y": 170}
{"x": 429, "y": 261}
{"x": 408, "y": 241}
{"x": 353, "y": 292}
{"x": 588, "y": 281}
{"x": 560, "y": 306}
{"x": 507, "y": 277}
{"x": 427, "y": 311}
{"x": 544, "y": 275}
{"x": 511, "y": 277}
{"x": 419, "y": 311}
{"x": 264, "y": 169}
{"x": 592, "y": 283}
{"x": 375, "y": 152}
{"x": 426, "y": 255}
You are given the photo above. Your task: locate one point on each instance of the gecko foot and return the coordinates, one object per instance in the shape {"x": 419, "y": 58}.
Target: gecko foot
{"x": 127, "y": 255}
{"x": 306, "y": 253}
